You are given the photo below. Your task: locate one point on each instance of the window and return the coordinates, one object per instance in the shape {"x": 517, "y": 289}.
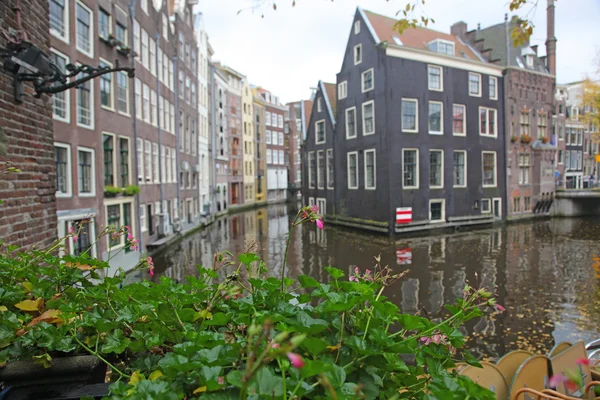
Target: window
{"x": 108, "y": 145}
{"x": 145, "y": 49}
{"x": 153, "y": 108}
{"x": 144, "y": 5}
{"x": 165, "y": 27}
{"x": 181, "y": 87}
{"x": 268, "y": 117}
{"x": 122, "y": 92}
{"x": 320, "y": 132}
{"x": 121, "y": 34}
{"x": 173, "y": 165}
{"x": 487, "y": 122}
{"x": 410, "y": 171}
{"x": 59, "y": 19}
{"x": 410, "y": 115}
{"x": 460, "y": 168}
{"x": 124, "y": 161}
{"x": 281, "y": 139}
{"x": 435, "y": 78}
{"x": 357, "y": 27}
{"x": 436, "y": 118}
{"x": 269, "y": 156}
{"x": 527, "y": 204}
{"x": 459, "y": 120}
{"x": 187, "y": 88}
{"x": 486, "y": 206}
{"x": 281, "y": 160}
{"x": 329, "y": 169}
{"x": 106, "y": 96}
{"x": 280, "y": 120}
{"x": 370, "y": 173}
{"x": 357, "y": 54}
{"x": 83, "y": 243}
{"x": 525, "y": 121}
{"x": 474, "y": 84}
{"x": 524, "y": 164}
{"x": 85, "y": 104}
{"x": 353, "y": 170}
{"x": 172, "y": 118}
{"x": 493, "y": 88}
{"x": 60, "y": 101}
{"x": 343, "y": 90}
{"x": 103, "y": 24}
{"x": 311, "y": 170}
{"x": 368, "y": 113}
{"x": 560, "y": 157}
{"x": 320, "y": 169}
{"x": 436, "y": 169}
{"x": 142, "y": 211}
{"x": 136, "y": 39}
{"x": 165, "y": 68}
{"x": 140, "y": 160}
{"x": 437, "y": 212}
{"x": 155, "y": 161}
{"x": 442, "y": 46}
{"x": 84, "y": 30}
{"x": 138, "y": 99}
{"x": 274, "y": 120}
{"x": 152, "y": 55}
{"x": 268, "y": 136}
{"x": 194, "y": 97}
{"x": 148, "y": 160}
{"x": 489, "y": 168}
{"x": 351, "y": 123}
{"x": 542, "y": 127}
{"x": 367, "y": 80}
{"x": 567, "y": 159}
{"x": 86, "y": 172}
{"x": 146, "y": 107}
{"x": 62, "y": 161}
{"x": 319, "y": 107}
{"x": 118, "y": 215}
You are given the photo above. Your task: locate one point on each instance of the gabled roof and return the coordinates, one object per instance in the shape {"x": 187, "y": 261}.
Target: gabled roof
{"x": 418, "y": 37}
{"x": 329, "y": 91}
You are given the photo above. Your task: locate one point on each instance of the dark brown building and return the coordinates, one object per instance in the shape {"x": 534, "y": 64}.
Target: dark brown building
{"x": 297, "y": 115}
{"x": 28, "y": 210}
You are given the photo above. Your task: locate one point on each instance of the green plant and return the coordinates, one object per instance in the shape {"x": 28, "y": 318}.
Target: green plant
{"x": 525, "y": 139}
{"x": 131, "y": 190}
{"x": 513, "y": 138}
{"x": 232, "y": 332}
{"x": 112, "y": 191}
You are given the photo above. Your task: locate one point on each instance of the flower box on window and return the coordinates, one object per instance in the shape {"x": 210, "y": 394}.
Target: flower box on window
{"x": 525, "y": 139}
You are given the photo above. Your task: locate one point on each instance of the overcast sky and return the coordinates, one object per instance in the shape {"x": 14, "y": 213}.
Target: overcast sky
{"x": 290, "y": 49}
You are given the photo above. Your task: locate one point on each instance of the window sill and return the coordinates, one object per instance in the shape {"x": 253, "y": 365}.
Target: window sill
{"x": 90, "y": 127}
{"x": 64, "y": 38}
{"x": 368, "y": 134}
{"x": 410, "y": 187}
{"x": 436, "y": 133}
{"x": 459, "y": 134}
{"x": 459, "y": 186}
{"x": 489, "y": 186}
{"x": 436, "y": 90}
{"x": 87, "y": 194}
{"x": 64, "y": 195}
{"x": 436, "y": 187}
{"x": 107, "y": 108}
{"x": 126, "y": 114}
{"x": 475, "y": 95}
{"x": 59, "y": 119}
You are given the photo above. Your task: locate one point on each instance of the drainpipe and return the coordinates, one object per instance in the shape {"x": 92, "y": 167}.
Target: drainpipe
{"x": 177, "y": 134}
{"x": 213, "y": 139}
{"x": 139, "y": 234}
{"x": 160, "y": 146}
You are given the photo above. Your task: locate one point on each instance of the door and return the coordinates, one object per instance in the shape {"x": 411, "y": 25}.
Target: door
{"x": 497, "y": 204}
{"x": 150, "y": 220}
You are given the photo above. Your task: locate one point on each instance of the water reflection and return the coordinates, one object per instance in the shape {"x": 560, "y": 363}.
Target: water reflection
{"x": 544, "y": 271}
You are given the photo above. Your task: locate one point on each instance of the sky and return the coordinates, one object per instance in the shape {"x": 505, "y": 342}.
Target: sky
{"x": 292, "y": 48}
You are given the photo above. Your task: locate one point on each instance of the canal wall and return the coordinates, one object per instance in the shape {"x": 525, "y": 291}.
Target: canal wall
{"x": 576, "y": 203}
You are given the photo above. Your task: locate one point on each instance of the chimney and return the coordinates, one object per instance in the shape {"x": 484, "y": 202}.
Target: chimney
{"x": 535, "y": 49}
{"x": 550, "y": 39}
{"x": 459, "y": 29}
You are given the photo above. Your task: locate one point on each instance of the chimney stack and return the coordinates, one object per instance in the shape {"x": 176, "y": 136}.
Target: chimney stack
{"x": 550, "y": 39}
{"x": 459, "y": 29}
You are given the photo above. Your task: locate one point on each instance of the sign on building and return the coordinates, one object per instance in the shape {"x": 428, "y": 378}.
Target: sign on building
{"x": 403, "y": 215}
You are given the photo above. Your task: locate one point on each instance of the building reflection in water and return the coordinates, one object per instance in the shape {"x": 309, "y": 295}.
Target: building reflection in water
{"x": 542, "y": 272}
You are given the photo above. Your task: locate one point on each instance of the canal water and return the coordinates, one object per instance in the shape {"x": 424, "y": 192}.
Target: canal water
{"x": 547, "y": 273}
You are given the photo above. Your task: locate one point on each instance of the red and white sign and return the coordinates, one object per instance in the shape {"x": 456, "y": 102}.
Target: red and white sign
{"x": 403, "y": 215}
{"x": 403, "y": 256}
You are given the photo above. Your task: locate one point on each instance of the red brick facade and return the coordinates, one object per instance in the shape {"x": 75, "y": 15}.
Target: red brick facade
{"x": 28, "y": 215}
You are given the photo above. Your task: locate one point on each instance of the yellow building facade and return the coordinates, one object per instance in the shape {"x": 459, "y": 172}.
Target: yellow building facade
{"x": 248, "y": 149}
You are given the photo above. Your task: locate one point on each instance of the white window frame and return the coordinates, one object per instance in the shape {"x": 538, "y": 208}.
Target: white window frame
{"x": 120, "y": 202}
{"x": 493, "y": 96}
{"x": 374, "y": 187}
{"x": 331, "y": 181}
{"x": 320, "y": 184}
{"x": 115, "y": 149}
{"x": 416, "y": 130}
{"x": 139, "y": 112}
{"x": 311, "y": 155}
{"x": 366, "y": 103}
{"x": 359, "y": 48}
{"x": 92, "y": 193}
{"x": 469, "y": 84}
{"x": 139, "y": 148}
{"x": 354, "y": 136}
{"x": 128, "y": 112}
{"x": 443, "y": 203}
{"x": 144, "y": 6}
{"x": 355, "y": 154}
{"x": 153, "y": 108}
{"x": 146, "y": 115}
{"x": 92, "y": 38}
{"x": 321, "y": 121}
{"x": 319, "y": 106}
{"x": 416, "y": 169}
{"x": 495, "y": 184}
{"x": 441, "y": 69}
{"x": 362, "y": 80}
{"x": 311, "y": 201}
{"x": 442, "y": 170}
{"x": 342, "y": 90}
{"x": 66, "y": 93}
{"x": 142, "y": 211}
{"x": 465, "y": 171}
{"x": 111, "y": 107}
{"x": 66, "y": 18}
{"x": 69, "y": 192}
{"x": 357, "y": 27}
{"x": 91, "y": 126}
{"x": 148, "y": 160}
{"x": 464, "y": 132}
{"x": 441, "y": 132}
{"x": 486, "y": 133}
{"x": 489, "y": 206}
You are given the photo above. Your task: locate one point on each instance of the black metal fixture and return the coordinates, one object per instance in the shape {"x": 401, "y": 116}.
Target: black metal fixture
{"x": 27, "y": 63}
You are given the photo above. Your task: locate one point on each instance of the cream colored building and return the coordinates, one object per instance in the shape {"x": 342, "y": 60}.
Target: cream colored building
{"x": 248, "y": 143}
{"x": 260, "y": 147}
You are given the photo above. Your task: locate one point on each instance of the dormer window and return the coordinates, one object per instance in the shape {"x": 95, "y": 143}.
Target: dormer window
{"x": 442, "y": 46}
{"x": 357, "y": 27}
{"x": 357, "y": 54}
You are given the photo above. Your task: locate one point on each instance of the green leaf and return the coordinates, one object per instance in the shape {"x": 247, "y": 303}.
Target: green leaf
{"x": 248, "y": 258}
{"x": 115, "y": 342}
{"x": 211, "y": 373}
{"x": 268, "y": 383}
{"x": 334, "y": 272}
{"x": 218, "y": 319}
{"x": 313, "y": 367}
{"x": 395, "y": 362}
{"x": 471, "y": 360}
{"x": 411, "y": 322}
{"x": 357, "y": 343}
{"x": 336, "y": 375}
{"x": 235, "y": 378}
{"x": 315, "y": 346}
{"x": 307, "y": 281}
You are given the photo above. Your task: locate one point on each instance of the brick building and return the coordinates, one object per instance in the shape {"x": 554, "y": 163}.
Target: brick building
{"x": 219, "y": 139}
{"x": 260, "y": 162}
{"x": 297, "y": 117}
{"x": 28, "y": 212}
{"x": 277, "y": 183}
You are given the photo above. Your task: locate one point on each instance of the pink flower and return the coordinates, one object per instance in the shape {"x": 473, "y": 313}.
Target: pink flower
{"x": 437, "y": 339}
{"x": 221, "y": 380}
{"x": 296, "y": 360}
{"x": 582, "y": 361}
{"x": 556, "y": 380}
{"x": 129, "y": 237}
{"x": 314, "y": 208}
{"x": 71, "y": 230}
{"x": 353, "y": 279}
{"x": 356, "y": 270}
{"x": 368, "y": 272}
{"x": 499, "y": 308}
{"x": 128, "y": 228}
{"x": 151, "y": 265}
{"x": 75, "y": 237}
{"x": 426, "y": 340}
{"x": 320, "y": 223}
{"x": 275, "y": 345}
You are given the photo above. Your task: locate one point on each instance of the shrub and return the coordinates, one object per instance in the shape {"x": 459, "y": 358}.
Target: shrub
{"x": 112, "y": 191}
{"x": 131, "y": 190}
{"x": 238, "y": 334}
